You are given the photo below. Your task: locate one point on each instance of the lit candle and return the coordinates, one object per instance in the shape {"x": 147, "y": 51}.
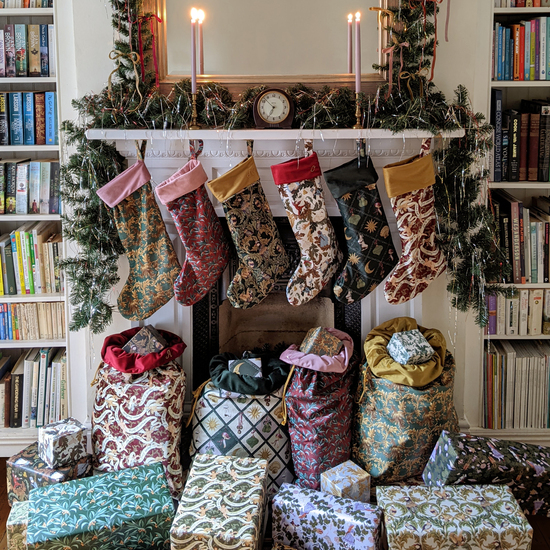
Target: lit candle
{"x": 357, "y": 52}
{"x": 201, "y": 45}
{"x": 194, "y": 16}
{"x": 350, "y": 64}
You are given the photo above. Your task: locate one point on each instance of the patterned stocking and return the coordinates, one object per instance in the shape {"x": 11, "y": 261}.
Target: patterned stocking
{"x": 259, "y": 247}
{"x": 299, "y": 184}
{"x": 207, "y": 251}
{"x": 409, "y": 184}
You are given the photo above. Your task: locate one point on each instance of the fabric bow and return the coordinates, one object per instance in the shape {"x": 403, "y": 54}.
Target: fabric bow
{"x": 116, "y": 55}
{"x": 390, "y": 51}
{"x": 407, "y": 76}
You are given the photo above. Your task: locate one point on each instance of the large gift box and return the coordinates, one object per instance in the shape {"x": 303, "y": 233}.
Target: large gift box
{"x": 347, "y": 480}
{"x": 16, "y": 526}
{"x": 409, "y": 347}
{"x": 27, "y": 470}
{"x": 465, "y": 516}
{"x": 321, "y": 342}
{"x": 62, "y": 442}
{"x": 306, "y": 519}
{"x": 131, "y": 508}
{"x": 459, "y": 458}
{"x": 222, "y": 505}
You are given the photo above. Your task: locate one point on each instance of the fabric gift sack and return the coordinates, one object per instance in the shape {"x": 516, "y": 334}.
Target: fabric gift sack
{"x": 319, "y": 402}
{"x": 137, "y": 417}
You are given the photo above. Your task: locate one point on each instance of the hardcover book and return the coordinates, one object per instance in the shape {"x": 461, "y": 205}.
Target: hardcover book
{"x": 2, "y": 55}
{"x": 4, "y": 124}
{"x": 9, "y": 46}
{"x": 51, "y": 50}
{"x": 22, "y": 188}
{"x": 16, "y": 118}
{"x": 51, "y": 118}
{"x": 39, "y": 118}
{"x": 20, "y": 49}
{"x": 496, "y": 121}
{"x": 11, "y": 185}
{"x": 34, "y": 50}
{"x": 55, "y": 188}
{"x": 147, "y": 340}
{"x": 44, "y": 65}
{"x": 28, "y": 118}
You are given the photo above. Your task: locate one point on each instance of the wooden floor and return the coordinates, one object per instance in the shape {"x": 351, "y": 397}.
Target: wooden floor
{"x": 541, "y": 525}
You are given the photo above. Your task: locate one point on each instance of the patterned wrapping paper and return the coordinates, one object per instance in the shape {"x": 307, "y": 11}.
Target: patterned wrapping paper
{"x": 16, "y": 526}
{"x": 466, "y": 516}
{"x": 347, "y": 480}
{"x": 321, "y": 342}
{"x": 410, "y": 347}
{"x": 147, "y": 340}
{"x": 222, "y": 505}
{"x": 26, "y": 470}
{"x": 460, "y": 458}
{"x": 233, "y": 424}
{"x": 305, "y": 519}
{"x": 247, "y": 367}
{"x": 62, "y": 442}
{"x": 129, "y": 509}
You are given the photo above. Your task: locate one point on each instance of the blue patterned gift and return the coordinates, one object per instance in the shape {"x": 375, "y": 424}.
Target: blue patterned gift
{"x": 131, "y": 508}
{"x": 410, "y": 347}
{"x": 306, "y": 519}
{"x": 16, "y": 526}
{"x": 347, "y": 480}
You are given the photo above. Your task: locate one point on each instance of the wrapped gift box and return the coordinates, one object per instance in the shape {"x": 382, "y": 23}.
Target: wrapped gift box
{"x": 16, "y": 526}
{"x": 222, "y": 505}
{"x": 147, "y": 340}
{"x": 459, "y": 458}
{"x": 305, "y": 519}
{"x": 131, "y": 508}
{"x": 27, "y": 470}
{"x": 347, "y": 480}
{"x": 470, "y": 516}
{"x": 63, "y": 442}
{"x": 409, "y": 347}
{"x": 248, "y": 367}
{"x": 320, "y": 341}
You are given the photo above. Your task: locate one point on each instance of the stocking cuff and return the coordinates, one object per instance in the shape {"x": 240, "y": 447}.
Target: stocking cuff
{"x": 238, "y": 178}
{"x": 409, "y": 175}
{"x": 187, "y": 179}
{"x": 295, "y": 170}
{"x": 349, "y": 177}
{"x": 124, "y": 184}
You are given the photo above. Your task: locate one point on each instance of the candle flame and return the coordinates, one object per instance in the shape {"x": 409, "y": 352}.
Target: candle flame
{"x": 194, "y": 14}
{"x": 201, "y": 16}
{"x": 358, "y": 16}
{"x": 350, "y": 17}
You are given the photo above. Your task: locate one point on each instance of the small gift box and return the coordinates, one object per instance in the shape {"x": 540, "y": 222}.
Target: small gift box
{"x": 320, "y": 341}
{"x": 16, "y": 526}
{"x": 62, "y": 442}
{"x": 347, "y": 480}
{"x": 409, "y": 347}
{"x": 248, "y": 367}
{"x": 147, "y": 340}
{"x": 473, "y": 516}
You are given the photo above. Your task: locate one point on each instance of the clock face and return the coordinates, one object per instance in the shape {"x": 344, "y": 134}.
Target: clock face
{"x": 273, "y": 107}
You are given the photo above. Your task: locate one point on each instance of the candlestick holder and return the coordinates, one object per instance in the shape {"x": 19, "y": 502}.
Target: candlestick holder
{"x": 358, "y": 124}
{"x": 194, "y": 124}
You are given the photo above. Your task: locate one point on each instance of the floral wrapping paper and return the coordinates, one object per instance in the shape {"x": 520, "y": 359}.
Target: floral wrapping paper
{"x": 321, "y": 342}
{"x": 130, "y": 509}
{"x": 229, "y": 423}
{"x": 16, "y": 526}
{"x": 347, "y": 480}
{"x": 62, "y": 442}
{"x": 137, "y": 420}
{"x": 26, "y": 470}
{"x": 460, "y": 458}
{"x": 305, "y": 519}
{"x": 410, "y": 347}
{"x": 147, "y": 340}
{"x": 222, "y": 505}
{"x": 484, "y": 517}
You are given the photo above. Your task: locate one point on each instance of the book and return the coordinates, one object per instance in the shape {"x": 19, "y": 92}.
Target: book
{"x": 6, "y": 382}
{"x": 45, "y": 360}
{"x": 51, "y": 50}
{"x": 40, "y": 118}
{"x": 28, "y": 382}
{"x": 2, "y": 75}
{"x": 17, "y": 263}
{"x": 510, "y": 205}
{"x": 22, "y": 188}
{"x": 49, "y": 414}
{"x": 2, "y": 188}
{"x": 45, "y": 175}
{"x": 10, "y": 178}
{"x": 513, "y": 124}
{"x": 55, "y": 188}
{"x": 505, "y": 145}
{"x": 7, "y": 265}
{"x": 9, "y": 47}
{"x": 496, "y": 121}
{"x": 5, "y": 366}
{"x": 539, "y": 145}
{"x": 16, "y": 405}
{"x": 52, "y": 137}
{"x": 41, "y": 233}
{"x": 523, "y": 148}
{"x": 34, "y": 187}
{"x": 516, "y": 64}
{"x": 15, "y": 118}
{"x": 44, "y": 62}
{"x": 491, "y": 327}
{"x": 542, "y": 47}
{"x": 527, "y": 49}
{"x": 535, "y": 311}
{"x": 512, "y": 315}
{"x": 33, "y": 35}
{"x": 63, "y": 389}
{"x": 546, "y": 312}
{"x": 20, "y": 38}
{"x": 28, "y": 118}
{"x": 523, "y": 311}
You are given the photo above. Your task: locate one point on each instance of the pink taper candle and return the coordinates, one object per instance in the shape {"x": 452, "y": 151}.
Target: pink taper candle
{"x": 193, "y": 52}
{"x": 350, "y": 64}
{"x": 357, "y": 52}
{"x": 201, "y": 45}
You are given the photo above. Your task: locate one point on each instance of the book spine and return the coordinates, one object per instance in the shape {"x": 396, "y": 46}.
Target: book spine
{"x": 516, "y": 239}
{"x": 45, "y": 170}
{"x": 546, "y": 312}
{"x": 533, "y": 158}
{"x": 29, "y": 252}
{"x": 546, "y": 252}
{"x": 532, "y": 47}
{"x": 2, "y": 192}
{"x": 523, "y": 150}
{"x": 497, "y": 123}
{"x": 44, "y": 64}
{"x": 521, "y": 52}
{"x": 548, "y": 51}
{"x": 542, "y": 48}
{"x": 34, "y": 50}
{"x": 534, "y": 265}
{"x": 501, "y": 317}
{"x": 22, "y": 189}
{"x": 34, "y": 187}
{"x": 4, "y": 125}
{"x": 55, "y": 188}
{"x": 10, "y": 271}
{"x": 500, "y": 74}
{"x": 514, "y": 147}
{"x": 527, "y": 51}
{"x": 2, "y": 63}
{"x": 537, "y": 48}
{"x": 16, "y": 118}
{"x": 11, "y": 178}
{"x": 535, "y": 311}
{"x": 516, "y": 35}
{"x": 44, "y": 362}
{"x": 7, "y": 309}
{"x": 506, "y": 54}
{"x": 40, "y": 118}
{"x": 544, "y": 144}
{"x": 20, "y": 49}
{"x": 16, "y": 400}
{"x": 28, "y": 118}
{"x": 51, "y": 50}
{"x": 24, "y": 263}
{"x": 523, "y": 311}
{"x": 9, "y": 46}
{"x": 51, "y": 129}
{"x": 63, "y": 390}
{"x": 492, "y": 314}
{"x": 505, "y": 151}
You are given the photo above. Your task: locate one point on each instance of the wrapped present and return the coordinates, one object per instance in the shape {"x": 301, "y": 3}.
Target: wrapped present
{"x": 222, "y": 505}
{"x": 16, "y": 526}
{"x": 27, "y": 470}
{"x": 62, "y": 442}
{"x": 130, "y": 508}
{"x": 347, "y": 480}
{"x": 410, "y": 347}
{"x": 248, "y": 367}
{"x": 147, "y": 340}
{"x": 306, "y": 519}
{"x": 459, "y": 458}
{"x": 321, "y": 342}
{"x": 469, "y": 516}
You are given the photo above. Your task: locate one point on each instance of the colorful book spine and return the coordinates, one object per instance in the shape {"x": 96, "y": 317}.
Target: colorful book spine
{"x": 4, "y": 122}
{"x": 45, "y": 170}
{"x": 2, "y": 188}
{"x": 40, "y": 118}
{"x": 2, "y": 55}
{"x": 9, "y": 46}
{"x": 44, "y": 62}
{"x": 55, "y": 188}
{"x": 28, "y": 118}
{"x": 52, "y": 137}
{"x": 533, "y": 48}
{"x": 34, "y": 187}
{"x": 500, "y": 42}
{"x": 527, "y": 50}
{"x": 496, "y": 121}
{"x": 21, "y": 67}
{"x": 542, "y": 47}
{"x": 16, "y": 118}
{"x": 516, "y": 35}
{"x": 34, "y": 50}
{"x": 22, "y": 189}
{"x": 11, "y": 178}
{"x": 537, "y": 48}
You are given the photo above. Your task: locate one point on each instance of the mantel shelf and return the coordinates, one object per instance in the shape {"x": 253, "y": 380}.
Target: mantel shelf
{"x": 264, "y": 135}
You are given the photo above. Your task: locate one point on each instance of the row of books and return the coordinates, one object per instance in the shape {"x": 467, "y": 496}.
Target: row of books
{"x": 33, "y": 390}
{"x": 516, "y": 385}
{"x": 30, "y": 187}
{"x": 28, "y": 118}
{"x": 526, "y": 312}
{"x": 32, "y": 321}
{"x": 30, "y": 258}
{"x": 522, "y": 3}
{"x": 15, "y": 4}
{"x": 521, "y": 51}
{"x": 27, "y": 50}
{"x": 521, "y": 149}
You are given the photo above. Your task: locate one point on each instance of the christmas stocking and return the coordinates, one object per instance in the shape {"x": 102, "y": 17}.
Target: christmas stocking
{"x": 207, "y": 251}
{"x": 371, "y": 254}
{"x": 153, "y": 263}
{"x": 409, "y": 185}
{"x": 299, "y": 184}
{"x": 259, "y": 247}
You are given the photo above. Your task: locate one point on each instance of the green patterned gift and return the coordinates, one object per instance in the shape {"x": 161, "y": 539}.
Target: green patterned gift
{"x": 130, "y": 509}
{"x": 466, "y": 516}
{"x": 222, "y": 505}
{"x": 16, "y": 526}
{"x": 410, "y": 347}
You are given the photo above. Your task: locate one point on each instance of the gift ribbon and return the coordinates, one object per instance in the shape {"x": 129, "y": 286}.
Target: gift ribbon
{"x": 115, "y": 55}
{"x": 405, "y": 75}
{"x": 139, "y": 21}
{"x": 390, "y": 51}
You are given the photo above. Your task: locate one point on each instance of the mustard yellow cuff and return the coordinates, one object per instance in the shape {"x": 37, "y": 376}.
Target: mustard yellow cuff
{"x": 237, "y": 179}
{"x": 409, "y": 175}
